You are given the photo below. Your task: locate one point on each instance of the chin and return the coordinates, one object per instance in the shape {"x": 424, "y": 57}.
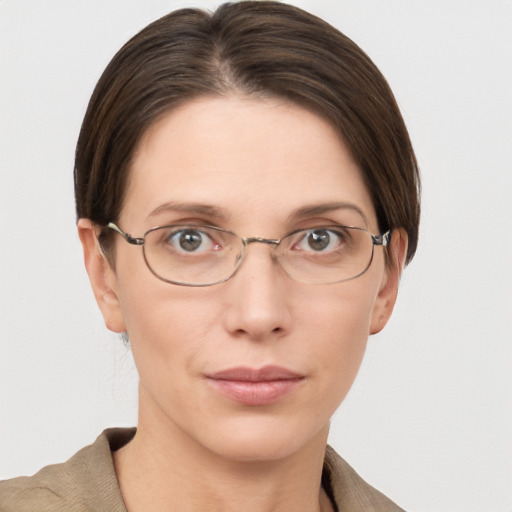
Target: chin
{"x": 264, "y": 439}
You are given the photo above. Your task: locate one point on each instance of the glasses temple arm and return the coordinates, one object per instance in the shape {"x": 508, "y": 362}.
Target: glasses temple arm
{"x": 129, "y": 238}
{"x": 383, "y": 239}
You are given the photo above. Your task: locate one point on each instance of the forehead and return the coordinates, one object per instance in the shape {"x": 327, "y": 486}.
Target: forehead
{"x": 245, "y": 158}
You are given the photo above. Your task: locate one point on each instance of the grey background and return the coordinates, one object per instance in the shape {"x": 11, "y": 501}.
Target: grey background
{"x": 429, "y": 419}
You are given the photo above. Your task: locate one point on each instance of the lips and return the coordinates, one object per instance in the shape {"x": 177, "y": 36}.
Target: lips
{"x": 254, "y": 387}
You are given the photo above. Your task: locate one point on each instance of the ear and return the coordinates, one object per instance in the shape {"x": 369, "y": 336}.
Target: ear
{"x": 101, "y": 275}
{"x": 385, "y": 302}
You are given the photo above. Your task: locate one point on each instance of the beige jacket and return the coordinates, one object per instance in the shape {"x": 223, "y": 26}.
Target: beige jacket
{"x": 87, "y": 483}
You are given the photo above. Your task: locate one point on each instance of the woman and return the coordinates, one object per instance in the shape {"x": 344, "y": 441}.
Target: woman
{"x": 247, "y": 197}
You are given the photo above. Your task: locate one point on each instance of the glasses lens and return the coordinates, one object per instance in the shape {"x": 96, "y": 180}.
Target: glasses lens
{"x": 326, "y": 254}
{"x": 193, "y": 255}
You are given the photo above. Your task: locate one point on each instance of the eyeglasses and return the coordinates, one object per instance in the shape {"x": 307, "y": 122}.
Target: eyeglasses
{"x": 197, "y": 255}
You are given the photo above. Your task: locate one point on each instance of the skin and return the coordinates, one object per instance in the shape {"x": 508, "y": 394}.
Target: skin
{"x": 257, "y": 161}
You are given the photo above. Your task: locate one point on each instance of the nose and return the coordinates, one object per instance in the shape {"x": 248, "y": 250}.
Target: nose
{"x": 258, "y": 297}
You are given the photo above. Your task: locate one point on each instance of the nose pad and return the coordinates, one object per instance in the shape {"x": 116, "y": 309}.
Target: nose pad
{"x": 239, "y": 258}
{"x": 273, "y": 243}
{"x": 242, "y": 254}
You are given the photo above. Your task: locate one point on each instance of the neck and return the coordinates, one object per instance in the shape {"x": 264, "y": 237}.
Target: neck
{"x": 162, "y": 469}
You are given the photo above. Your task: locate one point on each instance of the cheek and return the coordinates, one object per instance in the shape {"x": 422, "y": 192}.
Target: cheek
{"x": 155, "y": 311}
{"x": 343, "y": 313}
{"x": 167, "y": 325}
{"x": 338, "y": 323}
{"x": 167, "y": 340}
{"x": 153, "y": 319}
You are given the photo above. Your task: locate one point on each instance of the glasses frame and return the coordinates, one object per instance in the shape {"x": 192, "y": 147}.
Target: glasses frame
{"x": 377, "y": 240}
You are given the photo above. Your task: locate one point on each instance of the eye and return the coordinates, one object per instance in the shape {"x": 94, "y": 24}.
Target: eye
{"x": 320, "y": 240}
{"x": 190, "y": 240}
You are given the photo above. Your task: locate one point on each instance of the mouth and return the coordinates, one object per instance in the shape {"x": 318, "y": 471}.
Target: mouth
{"x": 249, "y": 386}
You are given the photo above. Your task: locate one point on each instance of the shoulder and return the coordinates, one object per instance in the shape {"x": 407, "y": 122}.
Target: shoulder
{"x": 349, "y": 491}
{"x": 85, "y": 483}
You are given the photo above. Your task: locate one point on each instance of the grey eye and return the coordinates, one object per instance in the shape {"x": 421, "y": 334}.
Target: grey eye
{"x": 190, "y": 240}
{"x": 319, "y": 239}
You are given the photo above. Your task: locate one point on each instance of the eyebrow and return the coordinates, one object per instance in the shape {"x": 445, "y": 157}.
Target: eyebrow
{"x": 196, "y": 208}
{"x": 321, "y": 208}
{"x": 218, "y": 213}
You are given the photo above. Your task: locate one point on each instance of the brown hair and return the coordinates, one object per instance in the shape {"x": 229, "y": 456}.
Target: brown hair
{"x": 260, "y": 48}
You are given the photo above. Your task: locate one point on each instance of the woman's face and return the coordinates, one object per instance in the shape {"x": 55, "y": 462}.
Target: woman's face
{"x": 252, "y": 368}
